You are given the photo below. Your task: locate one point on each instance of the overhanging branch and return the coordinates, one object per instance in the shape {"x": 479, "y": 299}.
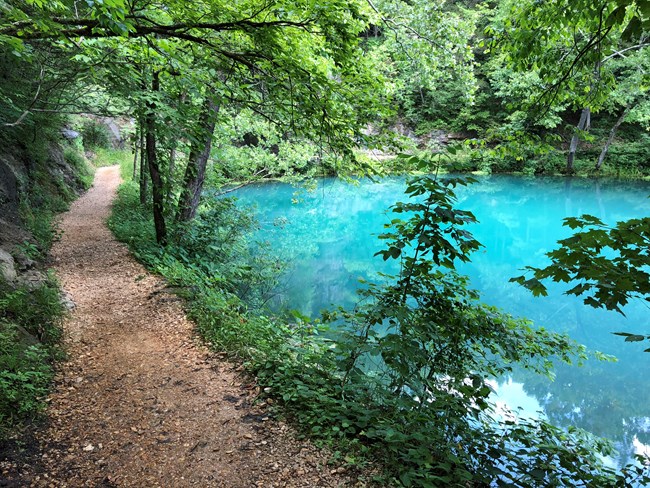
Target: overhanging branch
{"x": 142, "y": 26}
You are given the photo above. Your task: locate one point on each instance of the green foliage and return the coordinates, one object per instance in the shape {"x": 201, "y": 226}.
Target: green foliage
{"x": 110, "y": 157}
{"x": 39, "y": 217}
{"x": 607, "y": 265}
{"x": 217, "y": 245}
{"x": 95, "y": 135}
{"x": 610, "y": 262}
{"x": 132, "y": 224}
{"x": 424, "y": 49}
{"x": 630, "y": 158}
{"x": 50, "y": 193}
{"x": 30, "y": 332}
{"x": 77, "y": 161}
{"x": 215, "y": 249}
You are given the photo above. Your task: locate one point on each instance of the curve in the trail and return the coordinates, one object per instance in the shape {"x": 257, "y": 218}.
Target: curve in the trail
{"x": 140, "y": 402}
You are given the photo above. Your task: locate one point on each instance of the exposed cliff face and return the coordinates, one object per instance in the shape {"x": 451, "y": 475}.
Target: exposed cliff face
{"x": 13, "y": 178}
{"x": 29, "y": 182}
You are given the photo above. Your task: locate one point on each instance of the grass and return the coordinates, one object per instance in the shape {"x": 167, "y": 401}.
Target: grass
{"x": 110, "y": 157}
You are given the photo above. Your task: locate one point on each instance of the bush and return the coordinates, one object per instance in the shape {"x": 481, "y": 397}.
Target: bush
{"x": 50, "y": 193}
{"x": 30, "y": 332}
{"x": 42, "y": 225}
{"x": 82, "y": 170}
{"x": 630, "y": 157}
{"x": 47, "y": 198}
{"x": 111, "y": 157}
{"x": 95, "y": 135}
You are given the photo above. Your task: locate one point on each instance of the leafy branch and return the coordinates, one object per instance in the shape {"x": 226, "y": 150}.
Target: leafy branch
{"x": 135, "y": 27}
{"x": 611, "y": 265}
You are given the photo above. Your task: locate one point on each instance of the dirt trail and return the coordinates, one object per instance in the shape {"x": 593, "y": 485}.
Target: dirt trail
{"x": 140, "y": 403}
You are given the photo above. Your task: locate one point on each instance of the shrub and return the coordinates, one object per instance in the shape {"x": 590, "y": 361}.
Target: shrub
{"x": 82, "y": 170}
{"x": 95, "y": 135}
{"x": 30, "y": 333}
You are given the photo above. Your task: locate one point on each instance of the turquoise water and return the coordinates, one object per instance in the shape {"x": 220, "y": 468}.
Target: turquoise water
{"x": 329, "y": 236}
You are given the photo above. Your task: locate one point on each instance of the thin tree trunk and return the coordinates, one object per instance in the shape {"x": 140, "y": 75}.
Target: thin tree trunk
{"x": 143, "y": 167}
{"x": 610, "y": 139}
{"x": 154, "y": 168}
{"x": 136, "y": 146}
{"x": 172, "y": 168}
{"x": 172, "y": 158}
{"x": 197, "y": 162}
{"x": 583, "y": 125}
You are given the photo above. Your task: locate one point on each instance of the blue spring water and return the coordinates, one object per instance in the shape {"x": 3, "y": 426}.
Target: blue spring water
{"x": 329, "y": 235}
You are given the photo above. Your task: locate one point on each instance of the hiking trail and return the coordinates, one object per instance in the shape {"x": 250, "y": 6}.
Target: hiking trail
{"x": 140, "y": 402}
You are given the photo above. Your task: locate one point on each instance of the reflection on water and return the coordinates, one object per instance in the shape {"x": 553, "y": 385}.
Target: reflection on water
{"x": 330, "y": 236}
{"x": 510, "y": 396}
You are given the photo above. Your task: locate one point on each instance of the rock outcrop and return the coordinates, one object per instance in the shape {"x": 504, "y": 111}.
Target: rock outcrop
{"x": 7, "y": 266}
{"x": 19, "y": 171}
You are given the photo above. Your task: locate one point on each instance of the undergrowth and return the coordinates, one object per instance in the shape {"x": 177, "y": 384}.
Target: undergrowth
{"x": 30, "y": 333}
{"x": 106, "y": 156}
{"x": 402, "y": 385}
{"x": 630, "y": 160}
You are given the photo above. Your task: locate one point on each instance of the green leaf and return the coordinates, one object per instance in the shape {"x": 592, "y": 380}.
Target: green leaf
{"x": 633, "y": 29}
{"x": 617, "y": 16}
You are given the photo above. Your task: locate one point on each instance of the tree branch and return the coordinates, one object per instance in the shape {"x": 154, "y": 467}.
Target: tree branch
{"x": 410, "y": 29}
{"x": 620, "y": 53}
{"x": 263, "y": 172}
{"x": 93, "y": 29}
{"x": 31, "y": 105}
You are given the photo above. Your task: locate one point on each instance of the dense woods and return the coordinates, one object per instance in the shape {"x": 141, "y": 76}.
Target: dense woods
{"x": 214, "y": 95}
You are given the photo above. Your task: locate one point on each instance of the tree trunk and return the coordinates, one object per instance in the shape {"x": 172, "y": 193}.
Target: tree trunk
{"x": 610, "y": 139}
{"x": 173, "y": 151}
{"x": 136, "y": 146}
{"x": 583, "y": 125}
{"x": 154, "y": 168}
{"x": 143, "y": 168}
{"x": 197, "y": 162}
{"x": 171, "y": 169}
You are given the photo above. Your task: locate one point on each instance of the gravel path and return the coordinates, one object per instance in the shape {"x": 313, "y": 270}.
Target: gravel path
{"x": 140, "y": 403}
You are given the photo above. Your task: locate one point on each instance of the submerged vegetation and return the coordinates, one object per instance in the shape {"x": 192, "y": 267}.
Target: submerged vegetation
{"x": 224, "y": 93}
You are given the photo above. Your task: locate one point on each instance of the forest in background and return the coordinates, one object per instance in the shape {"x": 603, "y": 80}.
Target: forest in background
{"x": 222, "y": 94}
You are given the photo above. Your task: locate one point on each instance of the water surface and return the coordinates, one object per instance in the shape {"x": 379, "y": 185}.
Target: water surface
{"x": 329, "y": 235}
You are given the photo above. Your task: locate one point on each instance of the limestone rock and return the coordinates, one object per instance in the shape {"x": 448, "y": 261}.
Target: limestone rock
{"x": 32, "y": 279}
{"x": 24, "y": 263}
{"x": 67, "y": 301}
{"x": 7, "y": 266}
